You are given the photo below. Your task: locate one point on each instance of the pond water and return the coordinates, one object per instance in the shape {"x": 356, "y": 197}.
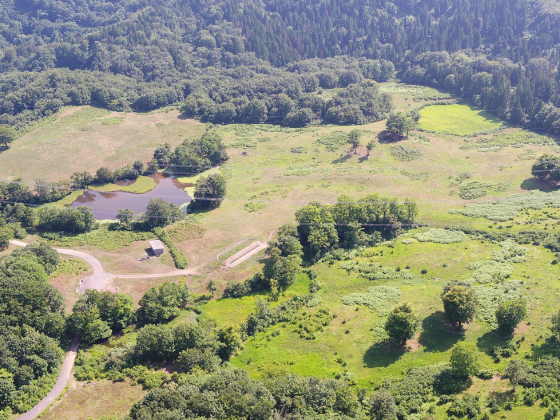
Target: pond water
{"x": 106, "y": 205}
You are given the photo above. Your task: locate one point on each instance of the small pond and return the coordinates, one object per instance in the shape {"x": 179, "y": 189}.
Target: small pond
{"x": 106, "y": 205}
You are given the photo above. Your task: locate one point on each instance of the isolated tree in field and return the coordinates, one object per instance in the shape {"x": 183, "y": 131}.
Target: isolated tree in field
{"x": 547, "y": 166}
{"x": 464, "y": 360}
{"x": 209, "y": 191}
{"x": 515, "y": 371}
{"x": 459, "y": 303}
{"x": 400, "y": 123}
{"x": 369, "y": 147}
{"x": 382, "y": 406}
{"x": 510, "y": 313}
{"x": 401, "y": 324}
{"x": 125, "y": 217}
{"x": 211, "y": 287}
{"x": 354, "y": 139}
{"x": 7, "y": 134}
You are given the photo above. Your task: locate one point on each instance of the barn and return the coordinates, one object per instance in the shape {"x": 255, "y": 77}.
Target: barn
{"x": 157, "y": 247}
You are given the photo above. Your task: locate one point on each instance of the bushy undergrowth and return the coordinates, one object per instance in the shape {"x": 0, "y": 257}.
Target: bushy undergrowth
{"x": 490, "y": 296}
{"x": 502, "y": 140}
{"x": 405, "y": 153}
{"x": 333, "y": 141}
{"x": 378, "y": 298}
{"x": 510, "y": 252}
{"x": 440, "y": 236}
{"x": 508, "y": 208}
{"x": 308, "y": 325}
{"x": 475, "y": 189}
{"x": 70, "y": 267}
{"x": 374, "y": 271}
{"x": 492, "y": 272}
{"x": 103, "y": 238}
{"x": 180, "y": 260}
{"x": 253, "y": 207}
{"x": 185, "y": 230}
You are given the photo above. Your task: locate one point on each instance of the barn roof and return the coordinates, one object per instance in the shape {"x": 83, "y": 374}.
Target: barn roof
{"x": 156, "y": 245}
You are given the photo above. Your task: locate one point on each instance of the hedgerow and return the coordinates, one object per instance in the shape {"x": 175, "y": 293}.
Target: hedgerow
{"x": 440, "y": 236}
{"x": 103, "y": 238}
{"x": 490, "y": 296}
{"x": 180, "y": 260}
{"x": 405, "y": 153}
{"x": 380, "y": 299}
{"x": 508, "y": 208}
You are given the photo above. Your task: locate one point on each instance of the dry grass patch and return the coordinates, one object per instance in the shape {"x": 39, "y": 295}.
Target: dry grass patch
{"x": 95, "y": 401}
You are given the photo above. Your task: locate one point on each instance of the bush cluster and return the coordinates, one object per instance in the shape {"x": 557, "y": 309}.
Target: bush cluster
{"x": 378, "y": 298}
{"x": 440, "y": 236}
{"x": 405, "y": 153}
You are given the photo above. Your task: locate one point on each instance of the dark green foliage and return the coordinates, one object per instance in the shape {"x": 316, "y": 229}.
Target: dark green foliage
{"x": 382, "y": 406}
{"x": 401, "y": 324}
{"x": 510, "y": 313}
{"x": 209, "y": 191}
{"x": 162, "y": 303}
{"x": 196, "y": 358}
{"x": 160, "y": 213}
{"x": 468, "y": 406}
{"x": 104, "y": 175}
{"x": 400, "y": 123}
{"x": 195, "y": 156}
{"x": 459, "y": 303}
{"x": 65, "y": 219}
{"x": 547, "y": 166}
{"x": 97, "y": 315}
{"x": 464, "y": 360}
{"x": 181, "y": 261}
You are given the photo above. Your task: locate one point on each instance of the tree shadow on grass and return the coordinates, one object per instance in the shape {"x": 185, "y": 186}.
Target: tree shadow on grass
{"x": 488, "y": 341}
{"x": 3, "y": 148}
{"x": 436, "y": 335}
{"x": 385, "y": 137}
{"x": 550, "y": 347}
{"x": 383, "y": 355}
{"x": 539, "y": 184}
{"x": 343, "y": 159}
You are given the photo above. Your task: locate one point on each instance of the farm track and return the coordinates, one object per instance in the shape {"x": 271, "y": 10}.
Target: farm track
{"x": 98, "y": 281}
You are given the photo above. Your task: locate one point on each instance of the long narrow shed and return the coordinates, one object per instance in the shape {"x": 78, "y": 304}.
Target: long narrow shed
{"x": 157, "y": 247}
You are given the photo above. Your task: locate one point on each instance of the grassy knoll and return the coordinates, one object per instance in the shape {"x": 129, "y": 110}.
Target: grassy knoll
{"x": 96, "y": 400}
{"x": 142, "y": 185}
{"x": 460, "y": 120}
{"x": 81, "y": 139}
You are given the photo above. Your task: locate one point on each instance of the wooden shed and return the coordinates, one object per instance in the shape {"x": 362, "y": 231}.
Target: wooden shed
{"x": 157, "y": 247}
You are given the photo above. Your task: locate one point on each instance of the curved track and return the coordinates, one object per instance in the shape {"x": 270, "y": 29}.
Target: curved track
{"x": 98, "y": 281}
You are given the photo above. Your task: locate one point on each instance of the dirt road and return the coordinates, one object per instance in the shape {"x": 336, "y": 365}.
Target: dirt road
{"x": 98, "y": 280}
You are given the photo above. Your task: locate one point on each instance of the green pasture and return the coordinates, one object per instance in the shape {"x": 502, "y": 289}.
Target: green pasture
{"x": 142, "y": 185}
{"x": 460, "y": 120}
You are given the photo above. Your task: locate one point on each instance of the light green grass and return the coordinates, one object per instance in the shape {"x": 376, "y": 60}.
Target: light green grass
{"x": 69, "y": 199}
{"x": 461, "y": 120}
{"x": 192, "y": 179}
{"x": 142, "y": 185}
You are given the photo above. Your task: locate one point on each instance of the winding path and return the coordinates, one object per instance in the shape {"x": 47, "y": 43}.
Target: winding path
{"x": 98, "y": 281}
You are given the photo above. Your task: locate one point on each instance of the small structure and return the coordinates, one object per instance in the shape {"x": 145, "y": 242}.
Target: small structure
{"x": 157, "y": 247}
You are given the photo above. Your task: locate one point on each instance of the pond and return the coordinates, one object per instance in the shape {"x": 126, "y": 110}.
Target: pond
{"x": 106, "y": 205}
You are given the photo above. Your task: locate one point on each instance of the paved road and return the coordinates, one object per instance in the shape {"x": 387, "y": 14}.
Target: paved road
{"x": 98, "y": 280}
{"x": 60, "y": 384}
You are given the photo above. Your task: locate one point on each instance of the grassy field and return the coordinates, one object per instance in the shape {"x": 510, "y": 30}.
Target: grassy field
{"x": 264, "y": 173}
{"x": 87, "y": 138}
{"x": 460, "y": 120}
{"x": 90, "y": 401}
{"x": 142, "y": 185}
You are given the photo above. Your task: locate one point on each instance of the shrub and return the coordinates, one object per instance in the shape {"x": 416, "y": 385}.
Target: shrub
{"x": 379, "y": 299}
{"x": 510, "y": 313}
{"x": 440, "y": 236}
{"x": 401, "y": 324}
{"x": 464, "y": 360}
{"x": 405, "y": 153}
{"x": 489, "y": 298}
{"x": 468, "y": 406}
{"x": 297, "y": 149}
